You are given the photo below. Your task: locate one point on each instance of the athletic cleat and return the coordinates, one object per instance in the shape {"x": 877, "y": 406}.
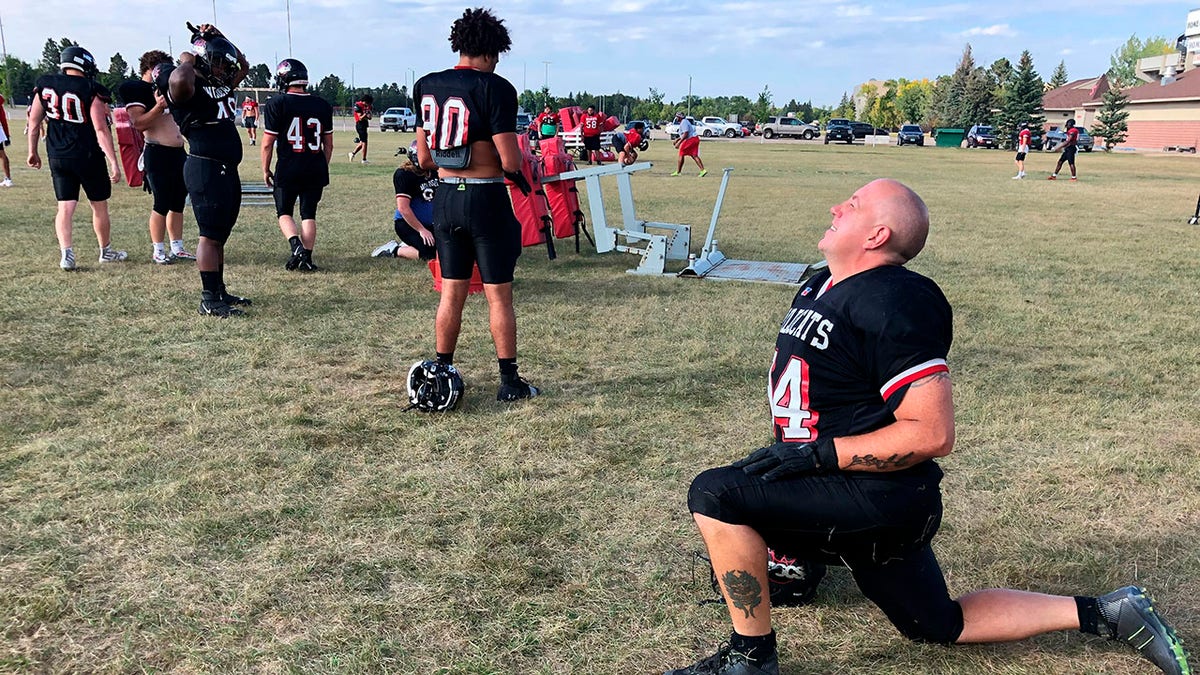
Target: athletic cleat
{"x": 1052, "y": 177}
{"x": 108, "y": 255}
{"x": 675, "y": 173}
{"x": 297, "y": 256}
{"x": 7, "y": 182}
{"x": 729, "y": 662}
{"x": 703, "y": 173}
{"x": 307, "y": 265}
{"x": 210, "y": 306}
{"x": 162, "y": 258}
{"x": 183, "y": 254}
{"x": 365, "y": 162}
{"x": 68, "y": 261}
{"x": 251, "y": 141}
{"x": 1018, "y": 177}
{"x": 350, "y": 155}
{"x": 236, "y": 300}
{"x": 1073, "y": 179}
{"x": 516, "y": 390}
{"x": 1130, "y": 616}
{"x": 388, "y": 250}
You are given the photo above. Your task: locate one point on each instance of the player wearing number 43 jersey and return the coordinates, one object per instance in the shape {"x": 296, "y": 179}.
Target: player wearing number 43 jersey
{"x": 300, "y": 126}
{"x": 77, "y": 142}
{"x": 861, "y": 406}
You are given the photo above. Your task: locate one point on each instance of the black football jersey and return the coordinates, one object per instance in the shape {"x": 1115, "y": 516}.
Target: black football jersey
{"x": 67, "y": 100}
{"x": 136, "y": 93}
{"x": 299, "y": 122}
{"x": 846, "y": 353}
{"x": 463, "y": 105}
{"x": 206, "y": 120}
{"x": 419, "y": 189}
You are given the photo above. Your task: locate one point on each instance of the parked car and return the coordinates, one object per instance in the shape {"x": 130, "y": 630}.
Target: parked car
{"x": 982, "y": 136}
{"x": 398, "y": 119}
{"x": 862, "y": 130}
{"x": 789, "y": 126}
{"x": 838, "y": 132}
{"x": 910, "y": 134}
{"x": 524, "y": 120}
{"x": 721, "y": 127}
{"x": 701, "y": 130}
{"x": 837, "y": 121}
{"x": 1056, "y": 136}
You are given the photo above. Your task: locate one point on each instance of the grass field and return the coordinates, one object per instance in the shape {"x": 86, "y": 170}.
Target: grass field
{"x": 193, "y": 495}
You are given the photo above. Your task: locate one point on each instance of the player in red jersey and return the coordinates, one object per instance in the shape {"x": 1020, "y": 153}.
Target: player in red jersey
{"x": 362, "y": 123}
{"x": 860, "y": 400}
{"x": 1024, "y": 139}
{"x": 1069, "y": 146}
{"x": 5, "y": 140}
{"x": 250, "y": 118}
{"x": 591, "y": 124}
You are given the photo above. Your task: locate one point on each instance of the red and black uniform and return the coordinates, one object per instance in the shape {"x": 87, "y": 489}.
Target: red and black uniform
{"x": 632, "y": 140}
{"x": 362, "y": 119}
{"x": 1070, "y": 145}
{"x": 591, "y": 126}
{"x": 76, "y": 159}
{"x": 419, "y": 191}
{"x": 473, "y": 222}
{"x": 844, "y": 358}
{"x": 547, "y": 124}
{"x": 4, "y": 124}
{"x": 210, "y": 173}
{"x": 301, "y": 124}
{"x": 161, "y": 164}
{"x": 1023, "y": 140}
{"x": 250, "y": 114}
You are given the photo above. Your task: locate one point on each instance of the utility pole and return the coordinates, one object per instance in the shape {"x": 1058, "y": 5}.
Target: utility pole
{"x": 4, "y": 55}
{"x": 546, "y": 76}
{"x": 689, "y": 105}
{"x": 289, "y": 23}
{"x": 214, "y": 3}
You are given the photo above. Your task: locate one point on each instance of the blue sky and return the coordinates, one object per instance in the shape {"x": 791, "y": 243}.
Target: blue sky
{"x": 799, "y": 49}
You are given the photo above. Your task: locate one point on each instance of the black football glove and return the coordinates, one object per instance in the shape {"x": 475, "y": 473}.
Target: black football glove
{"x": 785, "y": 460}
{"x": 518, "y": 179}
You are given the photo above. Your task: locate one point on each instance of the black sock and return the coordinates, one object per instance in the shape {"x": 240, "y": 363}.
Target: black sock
{"x": 1089, "y": 614}
{"x": 756, "y": 647}
{"x": 295, "y": 243}
{"x": 446, "y": 359}
{"x": 508, "y": 369}
{"x": 211, "y": 282}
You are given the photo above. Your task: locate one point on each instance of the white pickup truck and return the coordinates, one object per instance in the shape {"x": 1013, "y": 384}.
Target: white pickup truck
{"x": 398, "y": 119}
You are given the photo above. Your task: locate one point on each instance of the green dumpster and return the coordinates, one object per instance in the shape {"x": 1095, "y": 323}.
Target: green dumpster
{"x": 950, "y": 138}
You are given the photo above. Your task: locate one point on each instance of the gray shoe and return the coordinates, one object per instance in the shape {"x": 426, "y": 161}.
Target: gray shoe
{"x": 387, "y": 250}
{"x": 108, "y": 255}
{"x": 1129, "y": 615}
{"x": 68, "y": 260}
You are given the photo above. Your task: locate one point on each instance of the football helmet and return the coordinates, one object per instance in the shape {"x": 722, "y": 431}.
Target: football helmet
{"x": 434, "y": 387}
{"x": 412, "y": 154}
{"x": 216, "y": 60}
{"x": 78, "y": 58}
{"x": 290, "y": 73}
{"x": 1071, "y": 123}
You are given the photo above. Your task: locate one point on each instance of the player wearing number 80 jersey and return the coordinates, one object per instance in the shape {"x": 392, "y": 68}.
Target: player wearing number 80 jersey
{"x": 300, "y": 126}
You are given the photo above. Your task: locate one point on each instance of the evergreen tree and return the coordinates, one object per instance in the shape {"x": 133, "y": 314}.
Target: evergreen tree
{"x": 51, "y": 52}
{"x": 1022, "y": 102}
{"x": 952, "y": 102}
{"x": 118, "y": 71}
{"x": 1059, "y": 78}
{"x": 1112, "y": 120}
{"x": 259, "y": 76}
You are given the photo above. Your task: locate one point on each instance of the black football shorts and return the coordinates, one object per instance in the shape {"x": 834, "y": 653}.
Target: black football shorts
{"x": 91, "y": 174}
{"x": 163, "y": 167}
{"x": 476, "y": 225}
{"x": 216, "y": 192}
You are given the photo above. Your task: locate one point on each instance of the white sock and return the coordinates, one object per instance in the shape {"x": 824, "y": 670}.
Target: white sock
{"x": 159, "y": 248}
{"x": 66, "y": 252}
{"x": 176, "y": 245}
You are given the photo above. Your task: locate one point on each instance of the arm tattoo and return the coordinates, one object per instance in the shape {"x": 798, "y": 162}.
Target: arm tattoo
{"x": 896, "y": 461}
{"x": 743, "y": 590}
{"x": 936, "y": 377}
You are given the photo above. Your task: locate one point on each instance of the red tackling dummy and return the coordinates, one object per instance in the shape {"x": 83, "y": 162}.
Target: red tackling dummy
{"x": 562, "y": 195}
{"x": 130, "y": 144}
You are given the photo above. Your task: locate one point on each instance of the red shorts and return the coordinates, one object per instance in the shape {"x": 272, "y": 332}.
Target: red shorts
{"x": 690, "y": 147}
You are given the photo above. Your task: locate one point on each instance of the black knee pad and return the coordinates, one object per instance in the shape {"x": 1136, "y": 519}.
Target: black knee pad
{"x": 704, "y": 496}
{"x": 940, "y": 629}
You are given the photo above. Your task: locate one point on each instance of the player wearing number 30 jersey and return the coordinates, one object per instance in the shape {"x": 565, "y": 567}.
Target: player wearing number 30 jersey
{"x": 300, "y": 127}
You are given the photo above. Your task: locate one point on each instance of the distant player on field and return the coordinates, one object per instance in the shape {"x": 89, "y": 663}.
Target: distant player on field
{"x": 300, "y": 126}
{"x": 688, "y": 144}
{"x": 250, "y": 118}
{"x": 1069, "y": 146}
{"x": 362, "y": 124}
{"x": 5, "y": 140}
{"x": 626, "y": 144}
{"x": 78, "y": 142}
{"x": 1024, "y": 139}
{"x": 162, "y": 158}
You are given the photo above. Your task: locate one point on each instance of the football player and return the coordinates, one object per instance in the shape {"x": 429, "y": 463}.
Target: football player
{"x": 1069, "y": 145}
{"x": 413, "y": 224}
{"x": 5, "y": 140}
{"x": 78, "y": 142}
{"x": 300, "y": 126}
{"x": 860, "y": 398}
{"x": 468, "y": 133}
{"x": 200, "y": 95}
{"x": 362, "y": 122}
{"x": 250, "y": 118}
{"x": 162, "y": 158}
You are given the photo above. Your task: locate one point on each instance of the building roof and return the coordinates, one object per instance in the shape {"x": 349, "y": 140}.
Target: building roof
{"x": 1072, "y": 95}
{"x": 1185, "y": 87}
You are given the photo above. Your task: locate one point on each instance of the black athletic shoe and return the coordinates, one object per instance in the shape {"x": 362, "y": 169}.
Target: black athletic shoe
{"x": 1130, "y": 616}
{"x": 516, "y": 390}
{"x": 236, "y": 300}
{"x": 297, "y": 256}
{"x": 307, "y": 265}
{"x": 215, "y": 306}
{"x": 728, "y": 662}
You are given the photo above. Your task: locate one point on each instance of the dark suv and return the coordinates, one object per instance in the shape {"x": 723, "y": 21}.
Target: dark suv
{"x": 838, "y": 131}
{"x": 1055, "y": 136}
{"x": 982, "y": 136}
{"x": 910, "y": 134}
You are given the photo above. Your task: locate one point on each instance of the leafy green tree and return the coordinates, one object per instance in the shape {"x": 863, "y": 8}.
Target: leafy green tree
{"x": 1112, "y": 122}
{"x": 1059, "y": 78}
{"x": 1023, "y": 102}
{"x": 50, "y": 54}
{"x": 913, "y": 99}
{"x": 764, "y": 105}
{"x": 260, "y": 76}
{"x": 1124, "y": 61}
{"x": 16, "y": 80}
{"x": 333, "y": 89}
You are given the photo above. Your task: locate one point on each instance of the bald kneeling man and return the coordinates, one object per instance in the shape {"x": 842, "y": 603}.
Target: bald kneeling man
{"x": 860, "y": 402}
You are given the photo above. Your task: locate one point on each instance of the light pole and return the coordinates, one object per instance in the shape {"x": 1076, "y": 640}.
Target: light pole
{"x": 289, "y": 24}
{"x": 689, "y": 105}
{"x": 4, "y": 54}
{"x": 412, "y": 77}
{"x": 546, "y": 76}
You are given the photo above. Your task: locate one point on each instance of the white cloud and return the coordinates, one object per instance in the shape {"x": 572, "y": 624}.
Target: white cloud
{"x": 996, "y": 30}
{"x": 1066, "y": 52}
{"x": 853, "y": 11}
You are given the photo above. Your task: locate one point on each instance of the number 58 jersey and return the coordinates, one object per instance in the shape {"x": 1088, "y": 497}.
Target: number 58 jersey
{"x": 67, "y": 100}
{"x": 299, "y": 123}
{"x": 846, "y": 354}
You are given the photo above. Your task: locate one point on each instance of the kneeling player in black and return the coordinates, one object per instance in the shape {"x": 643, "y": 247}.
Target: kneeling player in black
{"x": 301, "y": 125}
{"x": 415, "y": 188}
{"x": 78, "y": 142}
{"x": 860, "y": 399}
{"x": 200, "y": 95}
{"x": 468, "y": 133}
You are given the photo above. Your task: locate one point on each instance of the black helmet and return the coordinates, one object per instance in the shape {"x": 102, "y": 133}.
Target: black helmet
{"x": 78, "y": 58}
{"x": 412, "y": 154}
{"x": 290, "y": 73}
{"x": 1024, "y": 125}
{"x": 216, "y": 59}
{"x": 434, "y": 387}
{"x": 1070, "y": 122}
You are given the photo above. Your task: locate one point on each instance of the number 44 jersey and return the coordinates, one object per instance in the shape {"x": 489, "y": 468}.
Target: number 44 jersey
{"x": 846, "y": 354}
{"x": 299, "y": 122}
